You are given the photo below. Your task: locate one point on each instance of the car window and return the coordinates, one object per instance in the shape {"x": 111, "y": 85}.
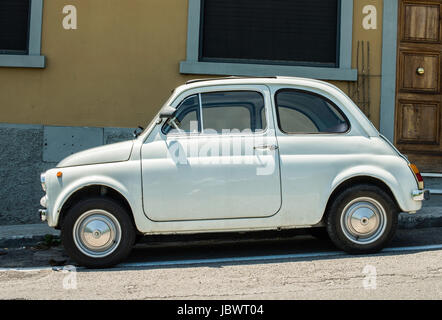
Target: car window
{"x": 187, "y": 117}
{"x": 306, "y": 112}
{"x": 233, "y": 110}
{"x": 295, "y": 121}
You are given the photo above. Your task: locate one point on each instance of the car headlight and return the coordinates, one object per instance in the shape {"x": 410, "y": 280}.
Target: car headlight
{"x": 43, "y": 181}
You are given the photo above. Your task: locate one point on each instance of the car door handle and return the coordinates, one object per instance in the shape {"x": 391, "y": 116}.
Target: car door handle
{"x": 270, "y": 147}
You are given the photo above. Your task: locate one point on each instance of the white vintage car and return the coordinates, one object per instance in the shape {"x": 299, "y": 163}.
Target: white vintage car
{"x": 236, "y": 154}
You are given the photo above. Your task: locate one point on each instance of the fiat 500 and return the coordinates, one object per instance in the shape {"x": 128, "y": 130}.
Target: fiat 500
{"x": 236, "y": 155}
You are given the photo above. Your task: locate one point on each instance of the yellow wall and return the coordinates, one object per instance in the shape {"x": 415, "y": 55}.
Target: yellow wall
{"x": 122, "y": 62}
{"x": 366, "y": 92}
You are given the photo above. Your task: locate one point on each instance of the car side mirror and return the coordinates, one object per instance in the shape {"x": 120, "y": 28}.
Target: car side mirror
{"x": 137, "y": 131}
{"x": 167, "y": 112}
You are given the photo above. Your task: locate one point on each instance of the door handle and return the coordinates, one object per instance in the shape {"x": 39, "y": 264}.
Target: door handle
{"x": 270, "y": 147}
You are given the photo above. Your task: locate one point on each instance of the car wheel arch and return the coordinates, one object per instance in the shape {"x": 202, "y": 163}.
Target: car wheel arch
{"x": 91, "y": 191}
{"x": 358, "y": 180}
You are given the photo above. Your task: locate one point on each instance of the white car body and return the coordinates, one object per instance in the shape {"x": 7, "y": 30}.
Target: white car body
{"x": 207, "y": 195}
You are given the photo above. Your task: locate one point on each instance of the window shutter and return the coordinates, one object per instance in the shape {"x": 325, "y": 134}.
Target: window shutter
{"x": 302, "y": 32}
{"x": 14, "y": 26}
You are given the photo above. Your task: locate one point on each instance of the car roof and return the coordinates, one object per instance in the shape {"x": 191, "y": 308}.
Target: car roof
{"x": 227, "y": 78}
{"x": 249, "y": 80}
{"x": 276, "y": 80}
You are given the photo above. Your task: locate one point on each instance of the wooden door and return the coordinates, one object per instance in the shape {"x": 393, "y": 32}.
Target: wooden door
{"x": 418, "y": 93}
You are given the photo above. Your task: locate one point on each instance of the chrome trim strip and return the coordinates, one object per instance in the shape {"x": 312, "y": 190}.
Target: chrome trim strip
{"x": 44, "y": 201}
{"x": 43, "y": 214}
{"x": 421, "y": 195}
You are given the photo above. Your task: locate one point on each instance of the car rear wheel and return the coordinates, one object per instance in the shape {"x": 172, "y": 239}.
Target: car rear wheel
{"x": 98, "y": 233}
{"x": 362, "y": 219}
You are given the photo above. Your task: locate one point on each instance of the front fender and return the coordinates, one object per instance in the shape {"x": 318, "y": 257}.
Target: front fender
{"x": 71, "y": 188}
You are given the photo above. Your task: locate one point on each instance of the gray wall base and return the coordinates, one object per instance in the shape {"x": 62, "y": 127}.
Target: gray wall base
{"x": 22, "y": 160}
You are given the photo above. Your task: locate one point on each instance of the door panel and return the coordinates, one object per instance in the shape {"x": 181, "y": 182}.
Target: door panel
{"x": 420, "y": 72}
{"x": 206, "y": 185}
{"x": 418, "y": 122}
{"x": 422, "y": 22}
{"x": 418, "y": 95}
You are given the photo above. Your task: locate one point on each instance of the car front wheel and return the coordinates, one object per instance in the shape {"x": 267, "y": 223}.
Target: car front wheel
{"x": 362, "y": 219}
{"x": 98, "y": 233}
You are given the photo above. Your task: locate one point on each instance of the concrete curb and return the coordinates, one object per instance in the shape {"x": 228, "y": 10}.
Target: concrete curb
{"x": 428, "y": 217}
{"x": 16, "y": 236}
{"x": 25, "y": 235}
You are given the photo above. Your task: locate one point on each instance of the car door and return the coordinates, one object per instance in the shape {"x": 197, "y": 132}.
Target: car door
{"x": 218, "y": 159}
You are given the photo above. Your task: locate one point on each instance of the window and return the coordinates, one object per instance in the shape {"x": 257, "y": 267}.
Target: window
{"x": 20, "y": 33}
{"x": 302, "y": 32}
{"x": 238, "y": 111}
{"x": 14, "y": 26}
{"x": 306, "y": 112}
{"x": 304, "y": 38}
{"x": 222, "y": 112}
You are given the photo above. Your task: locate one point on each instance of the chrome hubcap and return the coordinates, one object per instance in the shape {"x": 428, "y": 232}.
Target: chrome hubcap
{"x": 363, "y": 220}
{"x": 97, "y": 233}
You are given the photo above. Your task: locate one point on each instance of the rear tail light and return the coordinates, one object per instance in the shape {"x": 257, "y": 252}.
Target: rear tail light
{"x": 417, "y": 175}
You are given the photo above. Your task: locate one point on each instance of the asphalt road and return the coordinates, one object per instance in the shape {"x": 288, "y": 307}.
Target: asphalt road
{"x": 282, "y": 266}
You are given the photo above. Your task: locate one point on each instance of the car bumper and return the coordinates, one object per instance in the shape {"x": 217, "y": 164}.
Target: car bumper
{"x": 43, "y": 214}
{"x": 421, "y": 195}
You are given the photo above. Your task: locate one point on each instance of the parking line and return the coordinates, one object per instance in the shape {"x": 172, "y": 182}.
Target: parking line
{"x": 235, "y": 259}
{"x": 31, "y": 269}
{"x": 227, "y": 260}
{"x": 269, "y": 257}
{"x": 414, "y": 248}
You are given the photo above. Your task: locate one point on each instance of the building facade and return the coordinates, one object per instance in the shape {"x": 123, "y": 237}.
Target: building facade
{"x": 80, "y": 73}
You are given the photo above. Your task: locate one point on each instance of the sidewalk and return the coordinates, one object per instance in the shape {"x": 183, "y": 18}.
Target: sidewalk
{"x": 29, "y": 234}
{"x": 24, "y": 234}
{"x": 428, "y": 217}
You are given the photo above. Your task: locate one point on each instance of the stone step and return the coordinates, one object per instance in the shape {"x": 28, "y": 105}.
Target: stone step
{"x": 428, "y": 217}
{"x": 433, "y": 182}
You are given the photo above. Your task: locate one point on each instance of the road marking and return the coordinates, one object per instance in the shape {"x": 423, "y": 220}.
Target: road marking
{"x": 234, "y": 259}
{"x": 32, "y": 269}
{"x": 268, "y": 257}
{"x": 413, "y": 248}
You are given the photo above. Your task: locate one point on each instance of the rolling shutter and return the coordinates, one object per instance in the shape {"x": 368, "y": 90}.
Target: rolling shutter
{"x": 274, "y": 31}
{"x": 14, "y": 26}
